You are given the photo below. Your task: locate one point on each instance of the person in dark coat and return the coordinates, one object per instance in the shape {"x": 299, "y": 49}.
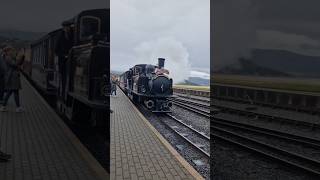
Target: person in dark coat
{"x": 63, "y": 46}
{"x": 12, "y": 82}
{"x": 2, "y": 75}
{"x": 4, "y": 157}
{"x": 114, "y": 82}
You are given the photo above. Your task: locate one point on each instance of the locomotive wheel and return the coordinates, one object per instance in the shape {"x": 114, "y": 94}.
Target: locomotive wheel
{"x": 135, "y": 98}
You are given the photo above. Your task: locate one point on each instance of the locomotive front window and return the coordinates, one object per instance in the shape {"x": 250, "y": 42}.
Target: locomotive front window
{"x": 89, "y": 26}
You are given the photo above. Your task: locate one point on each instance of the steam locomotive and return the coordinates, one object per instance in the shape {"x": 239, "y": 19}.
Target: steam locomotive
{"x": 149, "y": 85}
{"x": 86, "y": 93}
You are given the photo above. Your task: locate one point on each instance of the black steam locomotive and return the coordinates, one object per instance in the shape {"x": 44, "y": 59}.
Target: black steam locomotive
{"x": 150, "y": 85}
{"x": 85, "y": 97}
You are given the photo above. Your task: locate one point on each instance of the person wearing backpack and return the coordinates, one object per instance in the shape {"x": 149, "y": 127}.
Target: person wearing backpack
{"x": 12, "y": 82}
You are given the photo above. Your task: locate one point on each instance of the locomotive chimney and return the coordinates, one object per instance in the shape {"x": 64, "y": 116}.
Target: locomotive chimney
{"x": 161, "y": 62}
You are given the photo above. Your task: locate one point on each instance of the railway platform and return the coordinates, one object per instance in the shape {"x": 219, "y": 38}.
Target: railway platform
{"x": 138, "y": 150}
{"x": 42, "y": 146}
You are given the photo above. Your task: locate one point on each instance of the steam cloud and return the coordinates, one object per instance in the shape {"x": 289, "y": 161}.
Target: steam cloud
{"x": 176, "y": 55}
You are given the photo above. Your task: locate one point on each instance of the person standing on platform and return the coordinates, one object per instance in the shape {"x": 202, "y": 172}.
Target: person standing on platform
{"x": 62, "y": 49}
{"x": 12, "y": 82}
{"x": 114, "y": 86}
{"x": 4, "y": 157}
{"x": 2, "y": 75}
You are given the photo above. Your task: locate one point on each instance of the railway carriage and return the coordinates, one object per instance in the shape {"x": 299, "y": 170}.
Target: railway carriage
{"x": 86, "y": 97}
{"x": 42, "y": 62}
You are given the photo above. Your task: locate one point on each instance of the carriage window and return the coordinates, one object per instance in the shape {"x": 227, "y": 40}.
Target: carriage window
{"x": 89, "y": 26}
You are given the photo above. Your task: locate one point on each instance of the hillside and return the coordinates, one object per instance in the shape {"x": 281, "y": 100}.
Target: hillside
{"x": 21, "y": 35}
{"x": 267, "y": 62}
{"x": 248, "y": 67}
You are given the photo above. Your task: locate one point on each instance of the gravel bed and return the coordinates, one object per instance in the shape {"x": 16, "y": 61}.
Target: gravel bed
{"x": 192, "y": 136}
{"x": 232, "y": 162}
{"x": 188, "y": 152}
{"x": 198, "y": 122}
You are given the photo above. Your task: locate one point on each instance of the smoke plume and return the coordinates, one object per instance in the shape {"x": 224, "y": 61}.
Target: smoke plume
{"x": 176, "y": 55}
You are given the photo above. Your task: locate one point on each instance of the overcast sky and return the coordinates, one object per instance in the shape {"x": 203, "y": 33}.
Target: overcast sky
{"x": 240, "y": 25}
{"x": 179, "y": 30}
{"x": 42, "y": 15}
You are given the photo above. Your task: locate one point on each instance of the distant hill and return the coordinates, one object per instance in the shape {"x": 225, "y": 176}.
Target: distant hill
{"x": 287, "y": 62}
{"x": 248, "y": 67}
{"x": 116, "y": 72}
{"x": 3, "y": 39}
{"x": 196, "y": 81}
{"x": 20, "y": 35}
{"x": 267, "y": 62}
{"x": 199, "y": 81}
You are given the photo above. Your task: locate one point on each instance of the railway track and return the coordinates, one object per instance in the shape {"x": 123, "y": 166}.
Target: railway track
{"x": 192, "y": 106}
{"x": 192, "y": 131}
{"x": 184, "y": 138}
{"x": 271, "y": 105}
{"x": 244, "y": 112}
{"x": 231, "y": 132}
{"x": 186, "y": 96}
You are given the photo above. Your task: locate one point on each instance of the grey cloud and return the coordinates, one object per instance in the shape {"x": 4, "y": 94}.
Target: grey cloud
{"x": 42, "y": 15}
{"x": 241, "y": 25}
{"x": 145, "y": 21}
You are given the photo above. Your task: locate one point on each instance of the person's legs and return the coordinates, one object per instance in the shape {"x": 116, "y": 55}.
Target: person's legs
{"x": 17, "y": 100}
{"x": 16, "y": 97}
{"x": 5, "y": 101}
{"x": 7, "y": 96}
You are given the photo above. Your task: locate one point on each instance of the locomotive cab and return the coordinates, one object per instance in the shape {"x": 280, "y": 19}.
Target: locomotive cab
{"x": 88, "y": 69}
{"x": 79, "y": 90}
